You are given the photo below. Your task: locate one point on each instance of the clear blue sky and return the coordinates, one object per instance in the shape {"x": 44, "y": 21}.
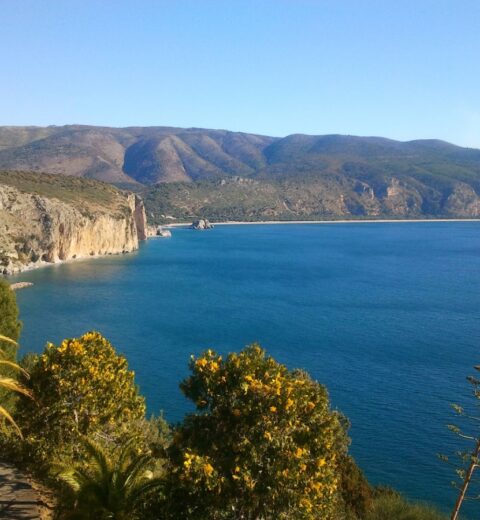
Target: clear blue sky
{"x": 404, "y": 69}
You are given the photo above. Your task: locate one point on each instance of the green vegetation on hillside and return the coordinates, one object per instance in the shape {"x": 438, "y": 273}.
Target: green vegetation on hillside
{"x": 81, "y": 193}
{"x": 308, "y": 198}
{"x": 225, "y": 175}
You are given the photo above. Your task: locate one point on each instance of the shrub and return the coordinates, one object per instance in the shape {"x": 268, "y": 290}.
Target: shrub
{"x": 264, "y": 443}
{"x": 10, "y": 326}
{"x": 82, "y": 388}
{"x": 391, "y": 506}
{"x": 109, "y": 485}
{"x": 356, "y": 492}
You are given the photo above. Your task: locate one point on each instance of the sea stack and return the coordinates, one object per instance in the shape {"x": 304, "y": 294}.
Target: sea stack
{"x": 201, "y": 224}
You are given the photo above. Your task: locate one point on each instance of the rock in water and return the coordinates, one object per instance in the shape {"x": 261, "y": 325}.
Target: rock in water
{"x": 201, "y": 224}
{"x": 20, "y": 285}
{"x": 163, "y": 233}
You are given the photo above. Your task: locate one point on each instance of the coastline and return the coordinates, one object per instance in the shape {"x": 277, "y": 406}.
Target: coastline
{"x": 40, "y": 264}
{"x": 344, "y": 221}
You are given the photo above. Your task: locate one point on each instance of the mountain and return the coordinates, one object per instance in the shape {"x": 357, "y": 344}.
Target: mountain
{"x": 221, "y": 174}
{"x": 129, "y": 156}
{"x": 50, "y": 218}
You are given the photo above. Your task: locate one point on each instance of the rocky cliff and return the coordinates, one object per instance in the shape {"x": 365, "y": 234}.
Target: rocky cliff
{"x": 311, "y": 199}
{"x": 67, "y": 219}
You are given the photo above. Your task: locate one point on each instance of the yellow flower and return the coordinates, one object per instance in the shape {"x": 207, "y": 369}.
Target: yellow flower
{"x": 299, "y": 452}
{"x": 268, "y": 436}
{"x": 310, "y": 405}
{"x": 306, "y": 504}
{"x": 289, "y": 403}
{"x": 273, "y": 409}
{"x": 208, "y": 469}
{"x": 201, "y": 362}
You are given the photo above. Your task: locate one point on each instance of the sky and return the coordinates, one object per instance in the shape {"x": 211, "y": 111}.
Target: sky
{"x": 404, "y": 69}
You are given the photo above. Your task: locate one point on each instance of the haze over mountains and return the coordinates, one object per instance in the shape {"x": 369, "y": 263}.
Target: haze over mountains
{"x": 225, "y": 174}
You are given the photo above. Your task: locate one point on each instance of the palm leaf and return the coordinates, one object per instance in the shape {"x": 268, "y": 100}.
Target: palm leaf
{"x": 134, "y": 469}
{"x": 8, "y": 340}
{"x": 15, "y": 366}
{"x": 6, "y": 415}
{"x": 141, "y": 490}
{"x": 15, "y": 386}
{"x": 99, "y": 457}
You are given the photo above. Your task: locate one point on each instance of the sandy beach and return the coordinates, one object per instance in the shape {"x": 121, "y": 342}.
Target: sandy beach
{"x": 365, "y": 221}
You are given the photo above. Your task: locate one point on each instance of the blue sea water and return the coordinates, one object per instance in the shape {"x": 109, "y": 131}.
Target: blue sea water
{"x": 386, "y": 315}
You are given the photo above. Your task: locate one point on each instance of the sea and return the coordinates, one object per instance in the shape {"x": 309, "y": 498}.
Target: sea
{"x": 385, "y": 315}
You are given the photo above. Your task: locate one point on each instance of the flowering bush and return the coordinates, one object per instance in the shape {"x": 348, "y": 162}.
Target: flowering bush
{"x": 264, "y": 443}
{"x": 81, "y": 387}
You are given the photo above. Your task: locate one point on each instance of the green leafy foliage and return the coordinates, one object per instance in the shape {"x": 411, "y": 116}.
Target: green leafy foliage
{"x": 82, "y": 388}
{"x": 109, "y": 486}
{"x": 87, "y": 195}
{"x": 264, "y": 443}
{"x": 10, "y": 325}
{"x": 391, "y": 506}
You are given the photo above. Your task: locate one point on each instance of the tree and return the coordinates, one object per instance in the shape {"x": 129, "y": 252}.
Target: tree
{"x": 470, "y": 458}
{"x": 83, "y": 388}
{"x": 109, "y": 487}
{"x": 264, "y": 443}
{"x": 10, "y": 326}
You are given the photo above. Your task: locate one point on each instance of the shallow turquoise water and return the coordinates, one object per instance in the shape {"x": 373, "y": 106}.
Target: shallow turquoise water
{"x": 386, "y": 315}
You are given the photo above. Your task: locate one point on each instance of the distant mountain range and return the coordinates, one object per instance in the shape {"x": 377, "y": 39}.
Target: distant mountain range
{"x": 222, "y": 174}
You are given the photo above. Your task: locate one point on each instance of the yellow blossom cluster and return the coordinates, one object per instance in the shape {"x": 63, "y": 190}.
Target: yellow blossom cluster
{"x": 83, "y": 385}
{"x": 272, "y": 436}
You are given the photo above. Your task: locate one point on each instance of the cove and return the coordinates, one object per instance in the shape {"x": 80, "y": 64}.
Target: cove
{"x": 385, "y": 315}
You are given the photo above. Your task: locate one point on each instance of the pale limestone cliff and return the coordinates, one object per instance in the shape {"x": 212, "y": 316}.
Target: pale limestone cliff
{"x": 35, "y": 229}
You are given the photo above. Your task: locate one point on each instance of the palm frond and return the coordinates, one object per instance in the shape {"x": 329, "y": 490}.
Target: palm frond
{"x": 98, "y": 455}
{"x": 8, "y": 340}
{"x": 125, "y": 452}
{"x": 153, "y": 484}
{"x": 135, "y": 469}
{"x": 4, "y": 413}
{"x": 71, "y": 478}
{"x": 15, "y": 366}
{"x": 13, "y": 385}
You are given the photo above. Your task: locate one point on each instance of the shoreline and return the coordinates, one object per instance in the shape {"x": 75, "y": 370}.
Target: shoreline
{"x": 40, "y": 264}
{"x": 363, "y": 221}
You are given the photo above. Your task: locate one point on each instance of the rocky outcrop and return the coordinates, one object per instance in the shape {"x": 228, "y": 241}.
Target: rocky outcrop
{"x": 201, "y": 224}
{"x": 36, "y": 230}
{"x": 463, "y": 201}
{"x": 140, "y": 218}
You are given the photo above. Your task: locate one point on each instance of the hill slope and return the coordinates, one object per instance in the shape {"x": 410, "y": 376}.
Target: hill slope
{"x": 199, "y": 172}
{"x": 132, "y": 155}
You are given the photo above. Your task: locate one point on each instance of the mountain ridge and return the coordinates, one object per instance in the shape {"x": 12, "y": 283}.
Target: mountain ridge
{"x": 151, "y": 155}
{"x": 235, "y": 175}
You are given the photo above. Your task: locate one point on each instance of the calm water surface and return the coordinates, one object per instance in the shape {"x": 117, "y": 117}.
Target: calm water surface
{"x": 385, "y": 315}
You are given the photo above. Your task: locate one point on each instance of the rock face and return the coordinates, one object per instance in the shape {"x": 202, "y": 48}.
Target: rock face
{"x": 35, "y": 229}
{"x": 201, "y": 224}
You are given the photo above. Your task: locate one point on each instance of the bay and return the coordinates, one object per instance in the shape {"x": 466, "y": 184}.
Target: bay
{"x": 386, "y": 315}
